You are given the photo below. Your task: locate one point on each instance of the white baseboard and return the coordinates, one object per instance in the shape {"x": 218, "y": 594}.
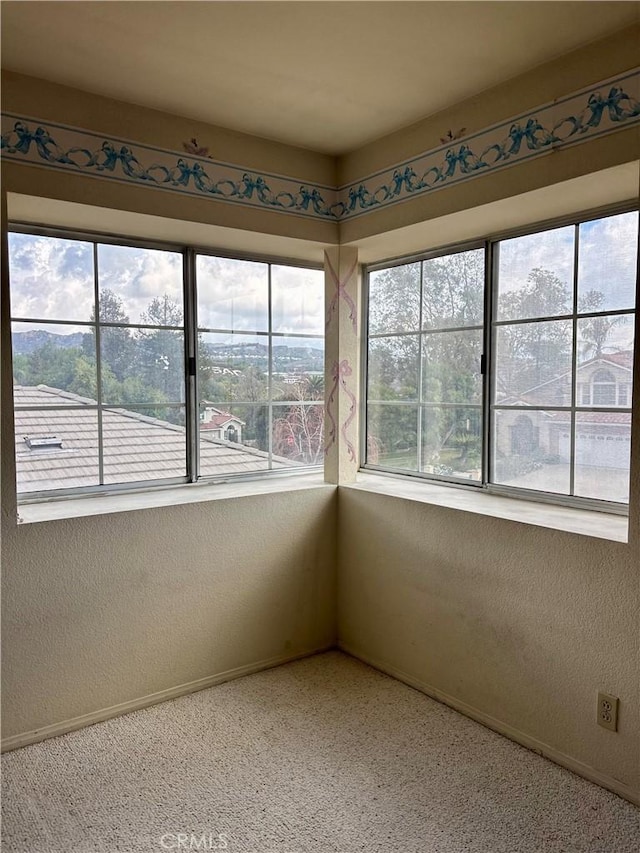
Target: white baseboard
{"x": 578, "y": 767}
{"x": 56, "y": 729}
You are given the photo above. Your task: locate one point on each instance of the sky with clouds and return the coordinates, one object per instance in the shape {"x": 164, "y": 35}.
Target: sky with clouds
{"x": 52, "y": 279}
{"x": 606, "y": 258}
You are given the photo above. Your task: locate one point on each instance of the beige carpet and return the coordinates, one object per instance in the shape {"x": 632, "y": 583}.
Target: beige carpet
{"x": 321, "y": 755}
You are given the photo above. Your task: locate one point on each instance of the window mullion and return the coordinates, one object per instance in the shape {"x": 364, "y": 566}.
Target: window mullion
{"x": 574, "y": 364}
{"x": 96, "y": 300}
{"x": 492, "y": 251}
{"x": 191, "y": 365}
{"x": 364, "y": 373}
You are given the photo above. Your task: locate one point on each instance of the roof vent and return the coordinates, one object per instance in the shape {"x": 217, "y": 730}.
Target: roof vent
{"x": 45, "y": 442}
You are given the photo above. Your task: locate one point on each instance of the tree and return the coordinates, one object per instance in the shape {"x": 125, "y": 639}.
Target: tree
{"x": 299, "y": 433}
{"x": 394, "y": 299}
{"x": 595, "y": 331}
{"x": 50, "y": 365}
{"x": 530, "y": 354}
{"x": 453, "y": 297}
{"x": 116, "y": 344}
{"x": 159, "y": 356}
{"x": 542, "y": 295}
{"x": 453, "y": 290}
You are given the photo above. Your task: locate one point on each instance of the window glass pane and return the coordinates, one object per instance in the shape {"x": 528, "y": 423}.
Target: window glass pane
{"x": 298, "y": 386}
{"x": 232, "y": 294}
{"x": 51, "y": 278}
{"x": 233, "y": 367}
{"x": 60, "y": 357}
{"x": 535, "y": 275}
{"x": 298, "y": 433}
{"x": 234, "y": 439}
{"x": 451, "y": 367}
{"x": 142, "y": 365}
{"x": 294, "y": 358}
{"x": 149, "y": 444}
{"x": 607, "y": 254}
{"x": 56, "y": 449}
{"x": 297, "y": 298}
{"x": 453, "y": 290}
{"x": 605, "y": 359}
{"x": 602, "y": 447}
{"x": 452, "y": 442}
{"x": 140, "y": 286}
{"x": 532, "y": 449}
{"x": 394, "y": 299}
{"x": 533, "y": 363}
{"x": 393, "y": 368}
{"x": 392, "y": 436}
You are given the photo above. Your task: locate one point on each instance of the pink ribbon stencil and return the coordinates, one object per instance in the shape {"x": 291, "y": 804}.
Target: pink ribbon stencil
{"x": 341, "y": 293}
{"x": 338, "y": 374}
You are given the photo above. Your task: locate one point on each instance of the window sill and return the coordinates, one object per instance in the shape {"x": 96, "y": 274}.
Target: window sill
{"x": 584, "y": 522}
{"x": 170, "y": 496}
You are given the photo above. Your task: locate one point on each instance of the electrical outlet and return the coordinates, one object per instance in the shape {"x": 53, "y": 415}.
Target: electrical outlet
{"x": 608, "y": 711}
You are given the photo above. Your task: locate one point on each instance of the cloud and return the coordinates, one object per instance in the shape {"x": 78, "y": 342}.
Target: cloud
{"x": 297, "y": 297}
{"x": 607, "y": 251}
{"x": 607, "y": 259}
{"x": 51, "y": 279}
{"x": 137, "y": 276}
{"x": 234, "y": 294}
{"x": 549, "y": 250}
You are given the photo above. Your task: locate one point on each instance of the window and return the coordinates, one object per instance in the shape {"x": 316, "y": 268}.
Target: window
{"x": 508, "y": 365}
{"x": 139, "y": 365}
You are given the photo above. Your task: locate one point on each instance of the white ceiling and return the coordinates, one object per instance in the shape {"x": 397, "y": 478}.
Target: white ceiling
{"x": 329, "y": 76}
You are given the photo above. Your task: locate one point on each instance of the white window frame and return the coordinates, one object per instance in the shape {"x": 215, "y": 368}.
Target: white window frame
{"x": 488, "y": 368}
{"x": 190, "y": 328}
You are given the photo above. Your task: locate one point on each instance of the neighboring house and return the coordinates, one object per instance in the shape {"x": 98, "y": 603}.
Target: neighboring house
{"x": 58, "y": 449}
{"x": 223, "y": 425}
{"x": 602, "y": 438}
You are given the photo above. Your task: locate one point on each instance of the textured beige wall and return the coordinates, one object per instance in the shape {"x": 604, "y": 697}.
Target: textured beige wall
{"x": 45, "y": 100}
{"x": 103, "y": 610}
{"x": 111, "y": 195}
{"x": 555, "y": 168}
{"x": 565, "y": 75}
{"x": 106, "y": 609}
{"x": 32, "y": 96}
{"x": 568, "y": 73}
{"x": 522, "y": 624}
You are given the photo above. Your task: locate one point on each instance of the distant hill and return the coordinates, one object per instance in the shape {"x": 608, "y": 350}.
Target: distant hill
{"x": 24, "y": 343}
{"x": 285, "y": 358}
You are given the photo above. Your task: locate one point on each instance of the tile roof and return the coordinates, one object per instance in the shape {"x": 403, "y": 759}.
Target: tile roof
{"x": 136, "y": 447}
{"x": 623, "y": 359}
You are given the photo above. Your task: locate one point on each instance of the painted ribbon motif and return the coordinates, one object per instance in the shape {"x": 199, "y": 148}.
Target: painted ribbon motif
{"x": 521, "y": 139}
{"x": 339, "y": 372}
{"x": 341, "y": 293}
{"x": 604, "y": 109}
{"x": 184, "y": 174}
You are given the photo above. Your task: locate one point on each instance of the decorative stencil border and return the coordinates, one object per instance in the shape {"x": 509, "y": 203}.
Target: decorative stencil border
{"x": 59, "y": 146}
{"x": 598, "y": 110}
{"x": 601, "y": 109}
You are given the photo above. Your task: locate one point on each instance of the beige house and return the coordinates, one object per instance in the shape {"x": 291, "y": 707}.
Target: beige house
{"x": 602, "y": 438}
{"x": 221, "y": 424}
